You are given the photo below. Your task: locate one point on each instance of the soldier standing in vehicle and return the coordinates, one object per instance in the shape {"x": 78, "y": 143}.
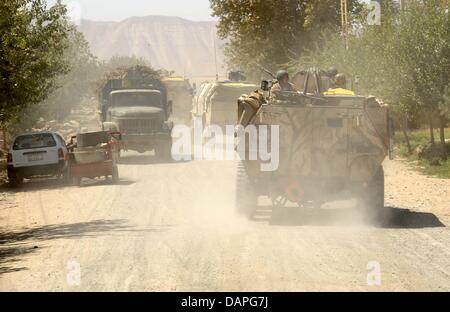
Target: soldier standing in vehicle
{"x": 340, "y": 81}
{"x": 283, "y": 83}
{"x": 340, "y": 86}
{"x": 332, "y": 73}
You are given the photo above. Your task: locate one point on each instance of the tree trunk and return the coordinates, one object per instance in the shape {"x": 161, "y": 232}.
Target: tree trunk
{"x": 405, "y": 134}
{"x": 432, "y": 140}
{"x": 5, "y": 143}
{"x": 442, "y": 124}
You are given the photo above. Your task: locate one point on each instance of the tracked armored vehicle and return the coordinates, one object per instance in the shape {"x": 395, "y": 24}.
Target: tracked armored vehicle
{"x": 331, "y": 147}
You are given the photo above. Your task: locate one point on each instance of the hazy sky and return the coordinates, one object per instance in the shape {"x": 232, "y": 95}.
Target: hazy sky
{"x": 116, "y": 10}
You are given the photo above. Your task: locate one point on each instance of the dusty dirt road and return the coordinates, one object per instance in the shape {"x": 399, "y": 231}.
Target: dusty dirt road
{"x": 173, "y": 227}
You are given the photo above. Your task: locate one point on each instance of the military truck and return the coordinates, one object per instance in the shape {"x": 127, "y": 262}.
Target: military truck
{"x": 216, "y": 103}
{"x": 134, "y": 101}
{"x": 331, "y": 147}
{"x": 180, "y": 92}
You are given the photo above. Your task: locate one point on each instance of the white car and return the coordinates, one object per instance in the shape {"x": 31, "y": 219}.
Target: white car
{"x": 37, "y": 154}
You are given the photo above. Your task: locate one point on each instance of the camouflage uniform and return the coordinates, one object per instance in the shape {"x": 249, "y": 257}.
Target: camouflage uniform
{"x": 340, "y": 81}
{"x": 282, "y": 86}
{"x": 339, "y": 87}
{"x": 278, "y": 87}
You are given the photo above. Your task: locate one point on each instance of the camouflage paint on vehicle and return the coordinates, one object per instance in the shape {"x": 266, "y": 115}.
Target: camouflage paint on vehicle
{"x": 329, "y": 145}
{"x": 345, "y": 140}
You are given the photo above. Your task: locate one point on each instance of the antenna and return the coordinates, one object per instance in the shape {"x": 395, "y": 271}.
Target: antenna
{"x": 344, "y": 21}
{"x": 215, "y": 55}
{"x": 266, "y": 71}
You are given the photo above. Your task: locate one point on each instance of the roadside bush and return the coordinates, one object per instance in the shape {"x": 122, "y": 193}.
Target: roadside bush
{"x": 434, "y": 153}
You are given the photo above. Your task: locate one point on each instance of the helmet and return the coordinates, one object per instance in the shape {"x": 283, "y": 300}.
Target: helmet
{"x": 332, "y": 71}
{"x": 281, "y": 74}
{"x": 340, "y": 81}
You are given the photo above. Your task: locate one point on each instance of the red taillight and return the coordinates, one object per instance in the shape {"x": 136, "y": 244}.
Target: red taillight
{"x": 9, "y": 159}
{"x": 60, "y": 153}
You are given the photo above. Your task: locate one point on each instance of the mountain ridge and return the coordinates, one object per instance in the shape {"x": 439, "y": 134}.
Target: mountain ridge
{"x": 190, "y": 48}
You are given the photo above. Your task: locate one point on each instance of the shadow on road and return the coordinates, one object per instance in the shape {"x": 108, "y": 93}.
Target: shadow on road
{"x": 35, "y": 185}
{"x": 43, "y": 184}
{"x": 406, "y": 219}
{"x": 16, "y": 243}
{"x": 394, "y": 218}
{"x": 103, "y": 182}
{"x": 11, "y": 255}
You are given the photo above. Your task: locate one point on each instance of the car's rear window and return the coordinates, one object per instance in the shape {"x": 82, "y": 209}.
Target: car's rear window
{"x": 32, "y": 141}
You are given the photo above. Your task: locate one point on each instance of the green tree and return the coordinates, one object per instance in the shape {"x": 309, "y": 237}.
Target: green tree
{"x": 77, "y": 84}
{"x": 404, "y": 61}
{"x": 123, "y": 61}
{"x": 33, "y": 42}
{"x": 270, "y": 33}
{"x": 425, "y": 33}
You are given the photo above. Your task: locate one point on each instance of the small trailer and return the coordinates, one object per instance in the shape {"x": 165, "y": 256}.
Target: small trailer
{"x": 93, "y": 155}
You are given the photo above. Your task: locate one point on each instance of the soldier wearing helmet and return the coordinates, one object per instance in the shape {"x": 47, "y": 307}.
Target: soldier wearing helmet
{"x": 330, "y": 75}
{"x": 283, "y": 83}
{"x": 332, "y": 72}
{"x": 339, "y": 86}
{"x": 340, "y": 81}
